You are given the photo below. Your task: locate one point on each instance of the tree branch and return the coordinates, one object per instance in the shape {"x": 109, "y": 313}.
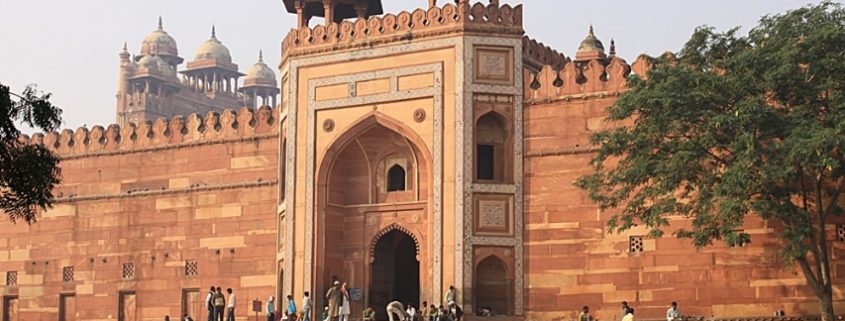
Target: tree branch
{"x": 812, "y": 280}
{"x": 821, "y": 242}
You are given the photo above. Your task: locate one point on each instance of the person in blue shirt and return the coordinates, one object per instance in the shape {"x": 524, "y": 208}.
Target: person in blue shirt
{"x": 271, "y": 309}
{"x": 291, "y": 310}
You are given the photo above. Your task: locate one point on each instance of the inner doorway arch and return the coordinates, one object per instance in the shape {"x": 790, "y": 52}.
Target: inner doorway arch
{"x": 493, "y": 286}
{"x": 394, "y": 271}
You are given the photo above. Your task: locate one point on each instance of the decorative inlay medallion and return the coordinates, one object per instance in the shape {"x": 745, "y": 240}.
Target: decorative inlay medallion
{"x": 419, "y": 115}
{"x": 328, "y": 125}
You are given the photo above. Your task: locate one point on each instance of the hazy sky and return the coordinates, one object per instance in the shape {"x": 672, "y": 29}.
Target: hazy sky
{"x": 70, "y": 48}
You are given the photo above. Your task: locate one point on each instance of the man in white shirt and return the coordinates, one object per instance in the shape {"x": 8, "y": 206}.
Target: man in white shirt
{"x": 451, "y": 295}
{"x": 673, "y": 313}
{"x": 395, "y": 307}
{"x": 230, "y": 309}
{"x": 306, "y": 307}
{"x": 209, "y": 304}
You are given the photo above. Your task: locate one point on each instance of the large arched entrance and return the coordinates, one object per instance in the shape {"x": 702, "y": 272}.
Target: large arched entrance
{"x": 395, "y": 272}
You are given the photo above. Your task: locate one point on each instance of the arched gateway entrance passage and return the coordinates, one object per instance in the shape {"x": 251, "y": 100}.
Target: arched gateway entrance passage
{"x": 395, "y": 271}
{"x": 373, "y": 189}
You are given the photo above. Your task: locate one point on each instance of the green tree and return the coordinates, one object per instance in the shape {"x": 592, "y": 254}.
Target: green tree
{"x": 733, "y": 126}
{"x": 28, "y": 173}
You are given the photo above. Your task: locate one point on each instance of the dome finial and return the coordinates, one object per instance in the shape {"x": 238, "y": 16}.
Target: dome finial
{"x": 260, "y": 55}
{"x": 160, "y": 25}
{"x": 612, "y": 47}
{"x": 213, "y": 32}
{"x": 590, "y": 33}
{"x": 124, "y": 46}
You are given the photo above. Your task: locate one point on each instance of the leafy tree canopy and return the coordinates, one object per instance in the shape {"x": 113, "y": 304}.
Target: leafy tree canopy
{"x": 731, "y": 126}
{"x": 28, "y": 173}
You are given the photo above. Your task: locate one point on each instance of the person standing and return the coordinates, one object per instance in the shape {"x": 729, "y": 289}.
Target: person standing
{"x": 629, "y": 316}
{"x": 423, "y": 311}
{"x": 333, "y": 297}
{"x": 219, "y": 304}
{"x": 626, "y": 309}
{"x": 291, "y": 309}
{"x": 395, "y": 307}
{"x": 271, "y": 309}
{"x": 585, "y": 314}
{"x": 230, "y": 313}
{"x": 344, "y": 306}
{"x": 451, "y": 295}
{"x": 209, "y": 303}
{"x": 673, "y": 313}
{"x": 306, "y": 307}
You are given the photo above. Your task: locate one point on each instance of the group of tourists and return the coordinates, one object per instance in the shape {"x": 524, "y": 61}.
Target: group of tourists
{"x": 216, "y": 303}
{"x": 451, "y": 312}
{"x": 672, "y": 314}
{"x": 338, "y": 309}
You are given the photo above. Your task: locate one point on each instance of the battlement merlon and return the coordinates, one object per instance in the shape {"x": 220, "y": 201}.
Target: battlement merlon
{"x": 373, "y": 30}
{"x": 230, "y": 125}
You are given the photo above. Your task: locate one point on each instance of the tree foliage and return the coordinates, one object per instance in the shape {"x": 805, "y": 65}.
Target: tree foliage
{"x": 732, "y": 126}
{"x": 28, "y": 173}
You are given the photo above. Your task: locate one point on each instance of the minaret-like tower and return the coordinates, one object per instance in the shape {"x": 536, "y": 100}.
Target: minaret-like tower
{"x": 212, "y": 71}
{"x": 146, "y": 82}
{"x": 260, "y": 87}
{"x": 125, "y": 69}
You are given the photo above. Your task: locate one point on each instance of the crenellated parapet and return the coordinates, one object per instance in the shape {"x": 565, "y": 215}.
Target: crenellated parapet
{"x": 194, "y": 129}
{"x": 582, "y": 78}
{"x": 420, "y": 23}
{"x": 535, "y": 55}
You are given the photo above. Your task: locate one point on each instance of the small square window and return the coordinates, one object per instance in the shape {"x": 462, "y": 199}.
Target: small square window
{"x": 12, "y": 278}
{"x": 742, "y": 243}
{"x": 128, "y": 271}
{"x": 635, "y": 244}
{"x": 67, "y": 274}
{"x": 840, "y": 232}
{"x": 191, "y": 267}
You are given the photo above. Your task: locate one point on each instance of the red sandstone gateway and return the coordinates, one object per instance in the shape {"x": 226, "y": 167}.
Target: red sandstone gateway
{"x": 399, "y": 153}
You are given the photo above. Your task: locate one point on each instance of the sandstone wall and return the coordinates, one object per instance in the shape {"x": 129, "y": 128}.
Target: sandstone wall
{"x": 159, "y": 196}
{"x": 571, "y": 262}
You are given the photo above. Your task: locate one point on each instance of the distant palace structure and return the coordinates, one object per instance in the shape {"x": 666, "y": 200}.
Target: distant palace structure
{"x": 399, "y": 153}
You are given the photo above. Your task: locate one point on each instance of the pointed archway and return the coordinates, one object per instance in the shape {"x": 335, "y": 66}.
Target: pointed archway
{"x": 493, "y": 286}
{"x": 395, "y": 271}
{"x": 361, "y": 171}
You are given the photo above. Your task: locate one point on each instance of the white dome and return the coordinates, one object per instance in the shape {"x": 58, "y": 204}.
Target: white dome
{"x": 261, "y": 71}
{"x": 213, "y": 49}
{"x": 159, "y": 43}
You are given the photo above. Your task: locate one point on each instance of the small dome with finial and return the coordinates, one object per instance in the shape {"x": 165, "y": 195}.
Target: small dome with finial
{"x": 260, "y": 71}
{"x": 213, "y": 49}
{"x": 159, "y": 43}
{"x": 591, "y": 43}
